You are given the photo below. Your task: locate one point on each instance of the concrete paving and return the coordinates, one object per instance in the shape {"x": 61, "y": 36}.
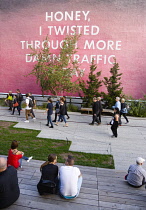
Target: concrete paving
{"x": 131, "y": 141}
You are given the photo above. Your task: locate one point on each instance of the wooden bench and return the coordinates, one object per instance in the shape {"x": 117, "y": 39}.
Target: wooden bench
{"x": 102, "y": 189}
{"x": 109, "y": 111}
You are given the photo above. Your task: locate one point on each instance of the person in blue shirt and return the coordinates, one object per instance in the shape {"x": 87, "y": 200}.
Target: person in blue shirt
{"x": 49, "y": 112}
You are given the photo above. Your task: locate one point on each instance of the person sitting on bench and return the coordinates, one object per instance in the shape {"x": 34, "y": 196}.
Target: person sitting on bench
{"x": 136, "y": 174}
{"x": 49, "y": 178}
{"x": 70, "y": 179}
{"x": 9, "y": 188}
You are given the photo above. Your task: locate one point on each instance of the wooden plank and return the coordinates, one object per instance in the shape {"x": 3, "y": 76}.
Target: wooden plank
{"x": 118, "y": 186}
{"x": 92, "y": 196}
{"x": 122, "y": 200}
{"x": 124, "y": 196}
{"x": 43, "y": 204}
{"x": 51, "y": 197}
{"x": 15, "y": 207}
{"x": 112, "y": 206}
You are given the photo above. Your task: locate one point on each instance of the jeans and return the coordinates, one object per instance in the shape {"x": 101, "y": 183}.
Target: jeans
{"x": 49, "y": 120}
{"x": 80, "y": 179}
{"x": 124, "y": 115}
{"x": 62, "y": 117}
{"x": 20, "y": 160}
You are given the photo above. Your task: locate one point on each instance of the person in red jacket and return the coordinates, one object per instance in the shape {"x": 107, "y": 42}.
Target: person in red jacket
{"x": 15, "y": 156}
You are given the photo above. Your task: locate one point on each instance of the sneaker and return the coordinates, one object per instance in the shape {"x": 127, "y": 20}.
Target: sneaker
{"x": 66, "y": 125}
{"x": 47, "y": 124}
{"x": 51, "y": 127}
{"x": 26, "y": 121}
{"x": 29, "y": 159}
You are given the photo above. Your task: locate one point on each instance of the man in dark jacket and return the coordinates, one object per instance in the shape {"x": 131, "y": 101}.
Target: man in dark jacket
{"x": 95, "y": 110}
{"x": 9, "y": 189}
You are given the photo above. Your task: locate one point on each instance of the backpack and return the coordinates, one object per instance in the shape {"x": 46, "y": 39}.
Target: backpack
{"x": 30, "y": 103}
{"x": 20, "y": 97}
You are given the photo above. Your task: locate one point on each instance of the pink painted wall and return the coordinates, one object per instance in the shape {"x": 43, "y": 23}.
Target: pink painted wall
{"x": 120, "y": 23}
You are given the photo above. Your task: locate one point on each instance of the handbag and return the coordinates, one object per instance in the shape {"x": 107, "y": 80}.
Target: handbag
{"x": 16, "y": 104}
{"x": 124, "y": 110}
{"x": 112, "y": 122}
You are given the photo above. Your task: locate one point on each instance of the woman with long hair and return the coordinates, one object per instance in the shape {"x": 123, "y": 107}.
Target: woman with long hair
{"x": 49, "y": 178}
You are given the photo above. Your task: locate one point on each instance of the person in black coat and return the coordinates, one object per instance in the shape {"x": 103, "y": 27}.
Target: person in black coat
{"x": 95, "y": 110}
{"x": 65, "y": 103}
{"x": 100, "y": 109}
{"x": 123, "y": 110}
{"x": 62, "y": 111}
{"x": 57, "y": 106}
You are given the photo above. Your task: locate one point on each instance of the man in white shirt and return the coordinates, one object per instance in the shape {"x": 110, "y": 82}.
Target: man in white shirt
{"x": 28, "y": 108}
{"x": 70, "y": 179}
{"x": 136, "y": 174}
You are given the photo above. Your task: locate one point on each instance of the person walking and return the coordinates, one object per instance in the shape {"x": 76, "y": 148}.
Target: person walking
{"x": 33, "y": 104}
{"x": 65, "y": 104}
{"x": 62, "y": 112}
{"x": 15, "y": 105}
{"x": 19, "y": 98}
{"x": 57, "y": 105}
{"x": 95, "y": 110}
{"x": 9, "y": 100}
{"x": 49, "y": 112}
{"x": 100, "y": 109}
{"x": 28, "y": 108}
{"x": 115, "y": 123}
{"x": 124, "y": 110}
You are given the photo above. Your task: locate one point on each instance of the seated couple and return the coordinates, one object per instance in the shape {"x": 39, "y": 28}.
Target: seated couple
{"x": 136, "y": 176}
{"x": 69, "y": 182}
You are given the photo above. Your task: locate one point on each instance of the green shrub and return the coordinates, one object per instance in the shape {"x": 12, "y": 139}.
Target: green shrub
{"x": 137, "y": 109}
{"x": 2, "y": 102}
{"x": 72, "y": 108}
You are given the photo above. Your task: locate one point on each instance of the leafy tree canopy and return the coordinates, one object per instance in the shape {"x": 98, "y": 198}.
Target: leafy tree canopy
{"x": 54, "y": 73}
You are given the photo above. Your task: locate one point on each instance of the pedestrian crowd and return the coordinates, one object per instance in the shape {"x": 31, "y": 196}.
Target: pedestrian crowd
{"x": 120, "y": 109}
{"x": 66, "y": 180}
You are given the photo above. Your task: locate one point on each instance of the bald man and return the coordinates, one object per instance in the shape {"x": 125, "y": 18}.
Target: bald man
{"x": 9, "y": 189}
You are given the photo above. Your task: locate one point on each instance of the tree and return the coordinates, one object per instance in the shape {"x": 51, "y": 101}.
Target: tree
{"x": 113, "y": 85}
{"x": 91, "y": 86}
{"x": 54, "y": 73}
